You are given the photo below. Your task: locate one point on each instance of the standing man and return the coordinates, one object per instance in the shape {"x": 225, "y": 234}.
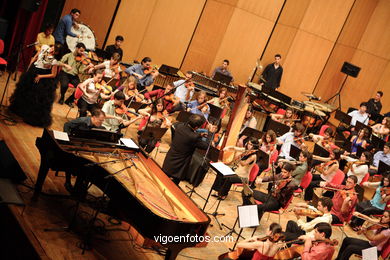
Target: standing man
{"x": 143, "y": 72}
{"x": 272, "y": 74}
{"x": 374, "y": 105}
{"x": 116, "y": 48}
{"x": 65, "y": 25}
{"x": 223, "y": 69}
{"x": 185, "y": 141}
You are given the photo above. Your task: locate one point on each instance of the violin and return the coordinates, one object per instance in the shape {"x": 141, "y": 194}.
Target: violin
{"x": 148, "y": 70}
{"x": 308, "y": 212}
{"x": 321, "y": 168}
{"x": 107, "y": 89}
{"x": 134, "y": 93}
{"x": 385, "y": 191}
{"x": 282, "y": 184}
{"x": 300, "y": 140}
{"x": 123, "y": 110}
{"x": 296, "y": 251}
{"x": 349, "y": 165}
{"x": 344, "y": 193}
{"x": 84, "y": 59}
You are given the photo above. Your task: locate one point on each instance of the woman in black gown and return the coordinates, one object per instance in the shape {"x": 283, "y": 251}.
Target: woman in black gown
{"x": 34, "y": 95}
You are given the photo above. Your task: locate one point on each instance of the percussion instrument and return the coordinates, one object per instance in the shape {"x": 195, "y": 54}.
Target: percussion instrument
{"x": 310, "y": 95}
{"x": 312, "y": 108}
{"x": 254, "y": 85}
{"x": 87, "y": 37}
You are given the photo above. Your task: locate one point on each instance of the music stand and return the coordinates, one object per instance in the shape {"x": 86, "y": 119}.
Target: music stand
{"x": 359, "y": 125}
{"x": 295, "y": 152}
{"x": 383, "y": 168}
{"x": 168, "y": 70}
{"x": 135, "y": 105}
{"x": 343, "y": 142}
{"x": 359, "y": 151}
{"x": 277, "y": 127}
{"x": 97, "y": 134}
{"x": 183, "y": 116}
{"x": 320, "y": 151}
{"x": 222, "y": 78}
{"x": 248, "y": 216}
{"x": 215, "y": 111}
{"x": 377, "y": 142}
{"x": 153, "y": 133}
{"x": 343, "y": 117}
{"x": 102, "y": 54}
{"x": 251, "y": 132}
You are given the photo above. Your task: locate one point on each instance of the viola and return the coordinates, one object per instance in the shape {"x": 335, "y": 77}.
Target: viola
{"x": 123, "y": 110}
{"x": 308, "y": 212}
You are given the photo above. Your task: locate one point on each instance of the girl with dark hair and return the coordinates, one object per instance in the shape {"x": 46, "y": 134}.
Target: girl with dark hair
{"x": 34, "y": 95}
{"x": 249, "y": 121}
{"x": 379, "y": 238}
{"x": 265, "y": 248}
{"x": 376, "y": 205}
{"x": 360, "y": 168}
{"x": 359, "y": 140}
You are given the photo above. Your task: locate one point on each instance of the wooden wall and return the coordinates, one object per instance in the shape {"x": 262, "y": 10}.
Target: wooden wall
{"x": 96, "y": 14}
{"x": 314, "y": 38}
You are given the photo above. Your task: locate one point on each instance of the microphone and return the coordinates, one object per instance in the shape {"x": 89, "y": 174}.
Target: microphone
{"x": 31, "y": 44}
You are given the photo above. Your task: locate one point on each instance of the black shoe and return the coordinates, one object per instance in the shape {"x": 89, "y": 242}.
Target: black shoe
{"x": 61, "y": 101}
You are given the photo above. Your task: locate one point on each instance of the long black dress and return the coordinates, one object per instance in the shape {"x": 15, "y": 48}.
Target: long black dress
{"x": 184, "y": 143}
{"x": 32, "y": 101}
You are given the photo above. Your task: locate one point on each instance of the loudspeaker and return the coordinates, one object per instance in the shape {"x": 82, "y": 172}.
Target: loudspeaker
{"x": 350, "y": 69}
{"x": 9, "y": 166}
{"x": 30, "y": 5}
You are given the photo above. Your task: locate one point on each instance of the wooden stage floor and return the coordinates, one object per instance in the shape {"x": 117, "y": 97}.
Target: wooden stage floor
{"x": 50, "y": 212}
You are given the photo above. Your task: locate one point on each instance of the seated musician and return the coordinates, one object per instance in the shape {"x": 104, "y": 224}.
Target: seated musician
{"x": 185, "y": 89}
{"x": 199, "y": 105}
{"x": 116, "y": 114}
{"x": 359, "y": 168}
{"x": 325, "y": 141}
{"x": 344, "y": 199}
{"x": 268, "y": 145}
{"x": 382, "y": 130}
{"x": 376, "y": 205}
{"x": 265, "y": 248}
{"x": 131, "y": 92}
{"x": 291, "y": 138}
{"x": 324, "y": 172}
{"x": 284, "y": 189}
{"x": 242, "y": 163}
{"x": 111, "y": 67}
{"x": 357, "y": 115}
{"x": 116, "y": 47}
{"x": 319, "y": 247}
{"x": 383, "y": 156}
{"x": 91, "y": 93}
{"x": 359, "y": 140}
{"x": 184, "y": 143}
{"x": 302, "y": 227}
{"x": 249, "y": 121}
{"x": 143, "y": 72}
{"x": 286, "y": 118}
{"x": 379, "y": 238}
{"x": 222, "y": 100}
{"x": 86, "y": 123}
{"x": 223, "y": 69}
{"x": 170, "y": 100}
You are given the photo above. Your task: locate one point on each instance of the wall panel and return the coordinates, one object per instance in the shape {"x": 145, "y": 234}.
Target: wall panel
{"x": 96, "y": 14}
{"x": 169, "y": 31}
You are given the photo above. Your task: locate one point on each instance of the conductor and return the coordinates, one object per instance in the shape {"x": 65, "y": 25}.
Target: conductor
{"x": 185, "y": 140}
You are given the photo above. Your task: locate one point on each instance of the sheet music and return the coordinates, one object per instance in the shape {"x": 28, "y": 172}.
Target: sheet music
{"x": 59, "y": 135}
{"x": 223, "y": 168}
{"x": 370, "y": 253}
{"x": 129, "y": 143}
{"x": 248, "y": 216}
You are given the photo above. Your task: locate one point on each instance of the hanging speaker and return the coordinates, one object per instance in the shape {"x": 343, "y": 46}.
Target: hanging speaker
{"x": 9, "y": 166}
{"x": 30, "y": 5}
{"x": 350, "y": 69}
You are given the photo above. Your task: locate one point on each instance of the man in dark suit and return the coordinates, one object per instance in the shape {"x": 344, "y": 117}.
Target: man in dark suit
{"x": 185, "y": 141}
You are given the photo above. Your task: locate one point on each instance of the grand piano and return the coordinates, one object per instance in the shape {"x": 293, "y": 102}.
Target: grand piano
{"x": 138, "y": 190}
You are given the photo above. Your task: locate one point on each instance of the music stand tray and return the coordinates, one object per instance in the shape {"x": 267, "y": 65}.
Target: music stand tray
{"x": 359, "y": 151}
{"x": 343, "y": 117}
{"x": 295, "y": 152}
{"x": 263, "y": 157}
{"x": 212, "y": 155}
{"x": 135, "y": 105}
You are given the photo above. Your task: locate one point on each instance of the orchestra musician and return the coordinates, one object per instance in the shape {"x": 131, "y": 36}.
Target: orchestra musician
{"x": 46, "y": 37}
{"x": 287, "y": 118}
{"x": 359, "y": 140}
{"x": 383, "y": 156}
{"x": 284, "y": 187}
{"x": 158, "y": 115}
{"x": 374, "y": 105}
{"x": 268, "y": 145}
{"x": 116, "y": 113}
{"x": 185, "y": 141}
{"x": 303, "y": 166}
{"x": 324, "y": 172}
{"x": 91, "y": 92}
{"x": 144, "y": 72}
{"x": 357, "y": 115}
{"x": 199, "y": 105}
{"x": 318, "y": 247}
{"x": 326, "y": 141}
{"x": 291, "y": 138}
{"x": 131, "y": 92}
{"x": 359, "y": 168}
{"x": 379, "y": 238}
{"x": 185, "y": 89}
{"x": 222, "y": 100}
{"x": 34, "y": 94}
{"x": 344, "y": 199}
{"x": 266, "y": 247}
{"x": 223, "y": 69}
{"x": 111, "y": 67}
{"x": 86, "y": 123}
{"x": 243, "y": 161}
{"x": 321, "y": 214}
{"x": 65, "y": 25}
{"x": 249, "y": 121}
{"x": 272, "y": 74}
{"x": 66, "y": 76}
{"x": 382, "y": 130}
{"x": 170, "y": 100}
{"x": 376, "y": 205}
{"x": 116, "y": 47}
